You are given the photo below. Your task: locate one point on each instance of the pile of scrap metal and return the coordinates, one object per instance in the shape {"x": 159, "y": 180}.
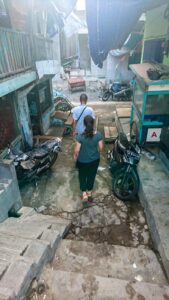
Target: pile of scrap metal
{"x": 61, "y": 102}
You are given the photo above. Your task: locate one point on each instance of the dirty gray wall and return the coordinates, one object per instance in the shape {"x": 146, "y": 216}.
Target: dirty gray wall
{"x": 68, "y": 46}
{"x": 84, "y": 54}
{"x": 56, "y": 55}
{"x": 97, "y": 72}
{"x": 9, "y": 191}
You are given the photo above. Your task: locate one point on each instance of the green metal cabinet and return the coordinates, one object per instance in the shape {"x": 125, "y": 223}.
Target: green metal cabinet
{"x": 150, "y": 106}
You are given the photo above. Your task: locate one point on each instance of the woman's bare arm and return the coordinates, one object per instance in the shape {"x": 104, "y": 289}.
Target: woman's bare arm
{"x": 74, "y": 127}
{"x": 100, "y": 146}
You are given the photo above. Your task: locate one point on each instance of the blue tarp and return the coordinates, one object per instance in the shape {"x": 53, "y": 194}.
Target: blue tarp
{"x": 109, "y": 24}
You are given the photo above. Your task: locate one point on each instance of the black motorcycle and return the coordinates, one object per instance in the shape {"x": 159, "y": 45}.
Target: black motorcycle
{"x": 123, "y": 160}
{"x": 118, "y": 91}
{"x": 36, "y": 161}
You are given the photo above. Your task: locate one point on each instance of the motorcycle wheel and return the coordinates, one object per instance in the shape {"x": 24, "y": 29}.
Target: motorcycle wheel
{"x": 130, "y": 186}
{"x": 106, "y": 96}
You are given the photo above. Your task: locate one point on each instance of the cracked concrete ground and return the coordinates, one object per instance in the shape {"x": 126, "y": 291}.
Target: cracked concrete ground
{"x": 59, "y": 187}
{"x": 58, "y": 190}
{"x": 108, "y": 221}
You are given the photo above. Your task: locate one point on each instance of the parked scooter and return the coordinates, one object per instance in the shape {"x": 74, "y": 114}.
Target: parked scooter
{"x": 36, "y": 161}
{"x": 123, "y": 161}
{"x": 118, "y": 91}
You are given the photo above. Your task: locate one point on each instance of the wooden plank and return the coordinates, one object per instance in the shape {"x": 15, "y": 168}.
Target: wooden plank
{"x": 113, "y": 132}
{"x": 123, "y": 112}
{"x": 62, "y": 115}
{"x": 106, "y": 132}
{"x": 110, "y": 133}
{"x": 69, "y": 121}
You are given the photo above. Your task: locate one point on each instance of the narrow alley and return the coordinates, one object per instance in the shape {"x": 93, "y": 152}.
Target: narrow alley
{"x": 84, "y": 150}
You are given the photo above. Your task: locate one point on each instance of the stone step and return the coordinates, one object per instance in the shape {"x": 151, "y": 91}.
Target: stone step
{"x": 153, "y": 194}
{"x": 32, "y": 226}
{"x": 27, "y": 243}
{"x": 3, "y": 267}
{"x": 108, "y": 261}
{"x": 74, "y": 286}
{"x": 17, "y": 279}
{"x": 10, "y": 242}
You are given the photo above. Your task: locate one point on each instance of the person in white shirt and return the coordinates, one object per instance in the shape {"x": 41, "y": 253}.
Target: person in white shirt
{"x": 79, "y": 113}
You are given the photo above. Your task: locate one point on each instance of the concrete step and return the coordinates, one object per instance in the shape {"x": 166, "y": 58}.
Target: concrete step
{"x": 26, "y": 245}
{"x": 32, "y": 226}
{"x": 153, "y": 193}
{"x": 17, "y": 279}
{"x": 75, "y": 286}
{"x": 108, "y": 261}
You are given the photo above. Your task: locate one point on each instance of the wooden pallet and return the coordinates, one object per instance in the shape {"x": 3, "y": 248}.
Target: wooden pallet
{"x": 110, "y": 134}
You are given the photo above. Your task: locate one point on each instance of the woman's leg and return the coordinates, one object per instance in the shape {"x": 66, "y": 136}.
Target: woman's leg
{"x": 82, "y": 176}
{"x": 91, "y": 174}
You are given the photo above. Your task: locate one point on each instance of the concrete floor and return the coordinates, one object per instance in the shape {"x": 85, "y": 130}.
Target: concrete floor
{"x": 59, "y": 187}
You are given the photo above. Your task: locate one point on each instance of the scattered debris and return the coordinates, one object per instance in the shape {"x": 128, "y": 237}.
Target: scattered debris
{"x": 41, "y": 209}
{"x": 148, "y": 154}
{"x": 139, "y": 278}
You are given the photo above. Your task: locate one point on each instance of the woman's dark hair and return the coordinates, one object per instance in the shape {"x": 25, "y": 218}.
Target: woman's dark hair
{"x": 89, "y": 124}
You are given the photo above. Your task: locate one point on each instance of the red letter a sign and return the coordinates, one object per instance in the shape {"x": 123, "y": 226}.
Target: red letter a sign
{"x": 154, "y": 134}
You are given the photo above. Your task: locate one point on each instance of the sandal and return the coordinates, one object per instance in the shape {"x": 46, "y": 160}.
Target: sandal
{"x": 85, "y": 199}
{"x": 89, "y": 194}
{"x": 84, "y": 196}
